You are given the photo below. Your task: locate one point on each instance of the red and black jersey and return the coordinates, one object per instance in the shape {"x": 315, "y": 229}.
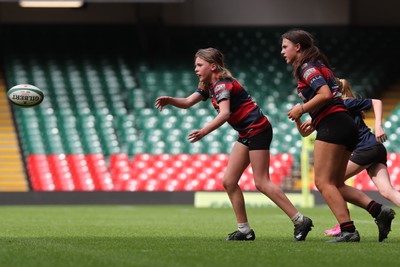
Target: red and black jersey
{"x": 246, "y": 116}
{"x": 313, "y": 75}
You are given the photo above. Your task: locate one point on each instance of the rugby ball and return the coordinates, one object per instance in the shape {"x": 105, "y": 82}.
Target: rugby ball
{"x": 25, "y": 95}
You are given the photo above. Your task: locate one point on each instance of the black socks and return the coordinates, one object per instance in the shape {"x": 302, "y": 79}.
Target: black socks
{"x": 374, "y": 208}
{"x": 347, "y": 227}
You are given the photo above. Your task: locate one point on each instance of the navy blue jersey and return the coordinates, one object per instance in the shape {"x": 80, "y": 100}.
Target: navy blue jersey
{"x": 365, "y": 137}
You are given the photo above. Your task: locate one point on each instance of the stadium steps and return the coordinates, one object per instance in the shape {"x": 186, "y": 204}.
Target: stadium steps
{"x": 390, "y": 99}
{"x": 12, "y": 174}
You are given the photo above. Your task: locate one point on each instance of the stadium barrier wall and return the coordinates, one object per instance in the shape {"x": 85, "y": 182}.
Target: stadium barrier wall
{"x": 207, "y": 199}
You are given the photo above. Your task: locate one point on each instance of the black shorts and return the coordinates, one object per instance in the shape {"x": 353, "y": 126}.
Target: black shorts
{"x": 338, "y": 128}
{"x": 260, "y": 141}
{"x": 369, "y": 156}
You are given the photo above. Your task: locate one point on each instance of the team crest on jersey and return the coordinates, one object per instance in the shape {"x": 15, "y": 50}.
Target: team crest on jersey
{"x": 220, "y": 87}
{"x": 308, "y": 72}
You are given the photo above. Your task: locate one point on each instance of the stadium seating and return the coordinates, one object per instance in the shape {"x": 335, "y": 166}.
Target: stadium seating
{"x": 146, "y": 171}
{"x": 97, "y": 128}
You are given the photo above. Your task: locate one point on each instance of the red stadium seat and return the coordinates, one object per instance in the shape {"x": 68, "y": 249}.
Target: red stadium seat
{"x": 84, "y": 181}
{"x": 193, "y": 185}
{"x": 395, "y": 157}
{"x": 276, "y": 177}
{"x": 201, "y": 157}
{"x": 96, "y": 162}
{"x": 61, "y": 172}
{"x": 145, "y": 157}
{"x": 247, "y": 185}
{"x": 104, "y": 182}
{"x": 140, "y": 162}
{"x": 133, "y": 185}
{"x": 181, "y": 161}
{"x": 248, "y": 171}
{"x": 118, "y": 160}
{"x": 119, "y": 167}
{"x": 182, "y": 157}
{"x": 99, "y": 171}
{"x": 63, "y": 179}
{"x": 39, "y": 172}
{"x": 77, "y": 163}
{"x": 197, "y": 164}
{"x": 210, "y": 185}
{"x": 137, "y": 167}
{"x": 220, "y": 157}
{"x": 43, "y": 182}
{"x": 153, "y": 184}
{"x": 174, "y": 185}
{"x": 246, "y": 181}
{"x": 284, "y": 157}
{"x": 218, "y": 165}
{"x": 284, "y": 162}
{"x": 94, "y": 157}
{"x": 163, "y": 157}
{"x": 34, "y": 159}
{"x": 201, "y": 177}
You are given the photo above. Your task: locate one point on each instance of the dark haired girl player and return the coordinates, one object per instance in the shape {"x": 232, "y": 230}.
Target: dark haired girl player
{"x": 337, "y": 133}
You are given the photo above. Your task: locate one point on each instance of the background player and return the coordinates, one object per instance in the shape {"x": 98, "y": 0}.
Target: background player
{"x": 371, "y": 155}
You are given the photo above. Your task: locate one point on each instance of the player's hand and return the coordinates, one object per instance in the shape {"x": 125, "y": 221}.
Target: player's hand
{"x": 380, "y": 134}
{"x": 295, "y": 112}
{"x": 161, "y": 102}
{"x": 195, "y": 136}
{"x": 307, "y": 127}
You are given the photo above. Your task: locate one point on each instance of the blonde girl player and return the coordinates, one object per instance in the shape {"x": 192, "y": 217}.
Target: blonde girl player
{"x": 337, "y": 132}
{"x": 235, "y": 106}
{"x": 371, "y": 155}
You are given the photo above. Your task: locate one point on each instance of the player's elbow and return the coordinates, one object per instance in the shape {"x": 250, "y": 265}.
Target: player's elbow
{"x": 187, "y": 104}
{"x": 376, "y": 102}
{"x": 225, "y": 115}
{"x": 327, "y": 97}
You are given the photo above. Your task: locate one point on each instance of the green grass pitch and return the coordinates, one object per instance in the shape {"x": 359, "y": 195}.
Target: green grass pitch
{"x": 180, "y": 236}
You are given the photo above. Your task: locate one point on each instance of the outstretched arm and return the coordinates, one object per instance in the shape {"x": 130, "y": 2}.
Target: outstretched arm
{"x": 221, "y": 118}
{"x": 379, "y": 132}
{"x": 178, "y": 102}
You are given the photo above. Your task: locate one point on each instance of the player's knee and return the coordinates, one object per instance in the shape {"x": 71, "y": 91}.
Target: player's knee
{"x": 259, "y": 186}
{"x": 228, "y": 184}
{"x": 266, "y": 186}
{"x": 319, "y": 185}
